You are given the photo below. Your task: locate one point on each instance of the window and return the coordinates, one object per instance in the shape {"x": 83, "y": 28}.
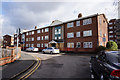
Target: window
{"x": 87, "y": 44}
{"x": 77, "y": 34}
{"x": 100, "y": 20}
{"x": 42, "y": 38}
{"x": 87, "y": 33}
{"x": 70, "y": 35}
{"x": 58, "y": 32}
{"x": 38, "y": 38}
{"x": 111, "y": 36}
{"x": 27, "y": 33}
{"x": 87, "y": 21}
{"x": 38, "y": 45}
{"x": 42, "y": 45}
{"x": 26, "y": 39}
{"x": 110, "y": 23}
{"x": 77, "y": 23}
{"x": 78, "y": 45}
{"x": 29, "y": 39}
{"x": 110, "y": 31}
{"x": 46, "y": 45}
{"x": 69, "y": 25}
{"x": 70, "y": 45}
{"x": 32, "y": 32}
{"x": 46, "y": 37}
{"x": 29, "y": 45}
{"x": 32, "y": 39}
{"x": 32, "y": 45}
{"x": 110, "y": 27}
{"x": 55, "y": 37}
{"x": 101, "y": 33}
{"x": 111, "y": 40}
{"x": 42, "y": 30}
{"x": 46, "y": 30}
{"x": 38, "y": 31}
{"x": 26, "y": 45}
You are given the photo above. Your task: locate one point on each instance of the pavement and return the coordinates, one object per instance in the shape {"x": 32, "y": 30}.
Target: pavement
{"x": 9, "y": 70}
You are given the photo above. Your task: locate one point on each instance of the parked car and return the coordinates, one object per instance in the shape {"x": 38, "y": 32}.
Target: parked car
{"x": 32, "y": 49}
{"x": 106, "y": 66}
{"x": 51, "y": 50}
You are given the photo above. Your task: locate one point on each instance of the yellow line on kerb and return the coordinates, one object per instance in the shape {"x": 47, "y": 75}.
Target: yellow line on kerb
{"x": 32, "y": 70}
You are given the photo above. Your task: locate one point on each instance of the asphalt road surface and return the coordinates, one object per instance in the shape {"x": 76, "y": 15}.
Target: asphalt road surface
{"x": 58, "y": 66}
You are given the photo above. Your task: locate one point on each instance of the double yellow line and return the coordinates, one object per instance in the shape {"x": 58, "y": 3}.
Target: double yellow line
{"x": 32, "y": 70}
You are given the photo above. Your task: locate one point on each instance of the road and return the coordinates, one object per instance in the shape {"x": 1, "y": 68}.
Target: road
{"x": 62, "y": 66}
{"x": 55, "y": 66}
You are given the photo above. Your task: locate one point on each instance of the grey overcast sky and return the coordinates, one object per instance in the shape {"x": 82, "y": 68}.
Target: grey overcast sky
{"x": 25, "y": 15}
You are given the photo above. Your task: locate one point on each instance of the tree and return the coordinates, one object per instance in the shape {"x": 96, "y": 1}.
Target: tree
{"x": 111, "y": 45}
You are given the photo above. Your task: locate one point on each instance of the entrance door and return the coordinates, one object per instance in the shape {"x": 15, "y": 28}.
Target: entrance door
{"x": 53, "y": 45}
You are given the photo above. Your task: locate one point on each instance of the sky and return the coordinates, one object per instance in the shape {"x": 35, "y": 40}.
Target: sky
{"x": 22, "y": 14}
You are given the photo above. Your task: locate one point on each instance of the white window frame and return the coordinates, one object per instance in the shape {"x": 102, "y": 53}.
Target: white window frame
{"x": 32, "y": 32}
{"x": 70, "y": 45}
{"x": 42, "y": 37}
{"x": 87, "y": 33}
{"x": 26, "y": 39}
{"x": 46, "y": 37}
{"x": 42, "y": 44}
{"x": 77, "y": 23}
{"x": 26, "y": 45}
{"x": 38, "y": 45}
{"x": 27, "y": 33}
{"x": 33, "y": 39}
{"x": 110, "y": 31}
{"x": 77, "y": 34}
{"x": 32, "y": 45}
{"x": 46, "y": 44}
{"x": 38, "y": 31}
{"x": 111, "y": 27}
{"x": 110, "y": 36}
{"x": 42, "y": 30}
{"x": 46, "y": 29}
{"x": 87, "y": 45}
{"x": 87, "y": 21}
{"x": 77, "y": 45}
{"x": 38, "y": 38}
{"x": 70, "y": 35}
{"x": 71, "y": 24}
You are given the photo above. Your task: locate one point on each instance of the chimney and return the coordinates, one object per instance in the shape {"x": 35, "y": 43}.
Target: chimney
{"x": 79, "y": 15}
{"x": 35, "y": 27}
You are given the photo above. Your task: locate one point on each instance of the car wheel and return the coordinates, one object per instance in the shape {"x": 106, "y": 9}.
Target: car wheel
{"x": 51, "y": 52}
{"x": 43, "y": 52}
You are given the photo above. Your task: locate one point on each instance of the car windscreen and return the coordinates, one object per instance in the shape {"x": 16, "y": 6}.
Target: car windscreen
{"x": 113, "y": 57}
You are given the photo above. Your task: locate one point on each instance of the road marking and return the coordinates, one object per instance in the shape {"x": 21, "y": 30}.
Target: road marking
{"x": 32, "y": 70}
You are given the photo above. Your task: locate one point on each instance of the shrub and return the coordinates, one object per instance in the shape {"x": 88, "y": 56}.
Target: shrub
{"x": 112, "y": 46}
{"x": 101, "y": 48}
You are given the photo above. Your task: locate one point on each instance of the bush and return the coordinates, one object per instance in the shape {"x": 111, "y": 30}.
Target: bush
{"x": 112, "y": 46}
{"x": 101, "y": 48}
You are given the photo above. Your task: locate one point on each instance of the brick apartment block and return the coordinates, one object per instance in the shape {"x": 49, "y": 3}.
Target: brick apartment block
{"x": 114, "y": 31}
{"x": 8, "y": 40}
{"x": 83, "y": 34}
